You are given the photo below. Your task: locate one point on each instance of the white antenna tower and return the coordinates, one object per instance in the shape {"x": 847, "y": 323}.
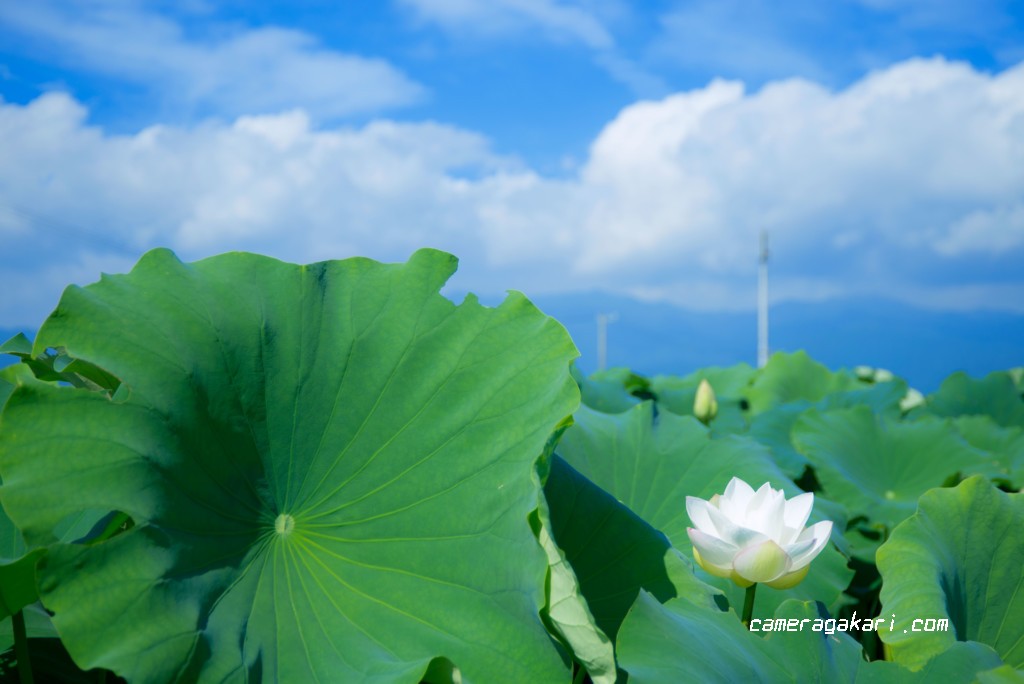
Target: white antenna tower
{"x": 762, "y": 303}
{"x": 603, "y": 319}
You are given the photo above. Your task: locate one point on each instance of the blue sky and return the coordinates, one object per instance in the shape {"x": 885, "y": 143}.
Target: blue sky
{"x": 553, "y": 145}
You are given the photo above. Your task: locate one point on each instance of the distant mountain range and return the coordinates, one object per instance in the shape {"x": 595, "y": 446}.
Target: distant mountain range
{"x": 920, "y": 345}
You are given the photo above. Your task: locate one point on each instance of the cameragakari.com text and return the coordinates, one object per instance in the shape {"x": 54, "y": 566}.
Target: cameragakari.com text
{"x": 832, "y": 625}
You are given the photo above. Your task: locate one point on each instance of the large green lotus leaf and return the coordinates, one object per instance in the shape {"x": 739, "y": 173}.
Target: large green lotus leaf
{"x": 996, "y": 395}
{"x": 1005, "y": 446}
{"x": 614, "y": 553}
{"x": 811, "y": 655}
{"x": 837, "y": 657}
{"x": 791, "y": 377}
{"x": 773, "y": 429}
{"x": 877, "y": 466}
{"x": 678, "y": 642}
{"x": 37, "y": 626}
{"x": 330, "y": 469}
{"x": 8, "y": 381}
{"x": 17, "y": 563}
{"x": 19, "y": 345}
{"x": 962, "y": 663}
{"x": 1001, "y": 675}
{"x": 1017, "y": 375}
{"x": 677, "y": 394}
{"x": 959, "y": 558}
{"x": 58, "y": 366}
{"x": 652, "y": 467}
{"x": 882, "y": 398}
{"x": 17, "y": 568}
{"x": 567, "y": 612}
{"x": 18, "y": 582}
{"x": 610, "y": 391}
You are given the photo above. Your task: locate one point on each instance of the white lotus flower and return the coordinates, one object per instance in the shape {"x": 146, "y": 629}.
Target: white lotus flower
{"x": 757, "y": 536}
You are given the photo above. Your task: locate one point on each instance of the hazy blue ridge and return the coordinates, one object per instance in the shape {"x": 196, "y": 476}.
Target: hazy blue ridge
{"x": 920, "y": 345}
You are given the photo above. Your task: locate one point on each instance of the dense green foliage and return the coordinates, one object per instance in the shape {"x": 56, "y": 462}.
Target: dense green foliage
{"x": 240, "y": 470}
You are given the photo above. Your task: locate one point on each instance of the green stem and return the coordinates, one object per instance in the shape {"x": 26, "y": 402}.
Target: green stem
{"x": 870, "y": 639}
{"x": 748, "y": 604}
{"x": 21, "y": 648}
{"x": 872, "y": 644}
{"x": 581, "y": 673}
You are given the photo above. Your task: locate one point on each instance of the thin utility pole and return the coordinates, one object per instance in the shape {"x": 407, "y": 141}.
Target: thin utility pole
{"x": 603, "y": 319}
{"x": 762, "y": 303}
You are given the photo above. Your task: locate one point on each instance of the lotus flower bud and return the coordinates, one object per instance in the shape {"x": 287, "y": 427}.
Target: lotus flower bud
{"x": 883, "y": 375}
{"x": 912, "y": 399}
{"x": 759, "y": 536}
{"x": 705, "y": 406}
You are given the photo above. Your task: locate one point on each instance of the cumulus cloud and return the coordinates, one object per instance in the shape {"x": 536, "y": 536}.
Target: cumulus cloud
{"x": 907, "y": 184}
{"x": 272, "y": 184}
{"x": 266, "y": 182}
{"x": 899, "y": 158}
{"x": 236, "y": 72}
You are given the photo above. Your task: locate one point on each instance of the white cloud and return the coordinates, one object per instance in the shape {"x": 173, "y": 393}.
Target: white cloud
{"x": 750, "y": 40}
{"x": 271, "y": 184}
{"x": 577, "y": 22}
{"x": 899, "y": 156}
{"x": 264, "y": 70}
{"x": 985, "y": 230}
{"x": 899, "y": 181}
{"x": 215, "y": 186}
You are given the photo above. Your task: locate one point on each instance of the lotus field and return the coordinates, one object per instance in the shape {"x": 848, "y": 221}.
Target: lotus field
{"x": 243, "y": 470}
